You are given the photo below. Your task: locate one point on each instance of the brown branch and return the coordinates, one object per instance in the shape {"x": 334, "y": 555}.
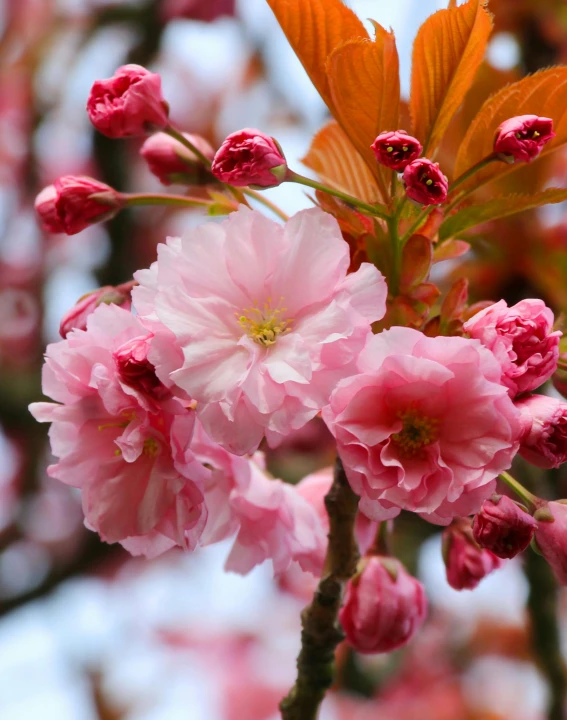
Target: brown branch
{"x": 321, "y": 632}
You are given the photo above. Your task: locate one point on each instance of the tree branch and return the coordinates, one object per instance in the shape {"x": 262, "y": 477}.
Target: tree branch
{"x": 321, "y": 632}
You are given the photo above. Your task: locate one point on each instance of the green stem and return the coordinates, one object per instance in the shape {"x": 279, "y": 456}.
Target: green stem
{"x": 394, "y": 280}
{"x": 321, "y": 632}
{"x": 174, "y": 133}
{"x": 472, "y": 170}
{"x": 163, "y": 199}
{"x": 374, "y": 210}
{"x": 267, "y": 203}
{"x": 531, "y": 501}
{"x": 421, "y": 218}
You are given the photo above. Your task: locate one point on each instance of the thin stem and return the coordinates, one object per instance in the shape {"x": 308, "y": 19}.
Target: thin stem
{"x": 381, "y": 544}
{"x": 531, "y": 501}
{"x": 163, "y": 199}
{"x": 321, "y": 632}
{"x": 421, "y": 218}
{"x": 170, "y": 130}
{"x": 394, "y": 281}
{"x": 267, "y": 203}
{"x": 472, "y": 170}
{"x": 375, "y": 210}
{"x": 393, "y": 185}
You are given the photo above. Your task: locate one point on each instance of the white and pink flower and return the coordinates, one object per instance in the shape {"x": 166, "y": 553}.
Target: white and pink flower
{"x": 121, "y": 437}
{"x": 425, "y": 426}
{"x": 265, "y": 317}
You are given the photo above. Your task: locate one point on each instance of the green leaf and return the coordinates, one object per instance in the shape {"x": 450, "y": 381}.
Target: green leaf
{"x": 498, "y": 208}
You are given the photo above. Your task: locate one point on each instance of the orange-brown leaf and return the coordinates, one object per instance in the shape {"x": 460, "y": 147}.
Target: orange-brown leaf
{"x": 447, "y": 52}
{"x": 365, "y": 89}
{"x": 333, "y": 157}
{"x": 544, "y": 93}
{"x": 314, "y": 28}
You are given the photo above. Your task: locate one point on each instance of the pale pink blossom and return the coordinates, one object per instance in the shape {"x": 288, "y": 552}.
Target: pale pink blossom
{"x": 544, "y": 434}
{"x": 265, "y": 317}
{"x": 130, "y": 454}
{"x": 425, "y": 426}
{"x": 522, "y": 339}
{"x": 271, "y": 519}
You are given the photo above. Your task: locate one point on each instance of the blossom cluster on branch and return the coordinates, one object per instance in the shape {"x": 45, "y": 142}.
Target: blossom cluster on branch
{"x": 243, "y": 331}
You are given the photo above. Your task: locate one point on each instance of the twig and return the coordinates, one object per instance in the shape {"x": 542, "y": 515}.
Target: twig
{"x": 321, "y": 632}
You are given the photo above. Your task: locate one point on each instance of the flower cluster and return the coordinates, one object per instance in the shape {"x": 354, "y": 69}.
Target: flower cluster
{"x": 243, "y": 331}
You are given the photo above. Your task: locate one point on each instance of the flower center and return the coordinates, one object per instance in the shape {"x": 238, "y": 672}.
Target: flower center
{"x": 417, "y": 432}
{"x": 263, "y": 325}
{"x": 151, "y": 447}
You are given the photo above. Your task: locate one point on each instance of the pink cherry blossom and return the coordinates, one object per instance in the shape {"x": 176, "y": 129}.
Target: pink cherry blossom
{"x": 466, "y": 562}
{"x": 172, "y": 162}
{"x": 544, "y": 435}
{"x": 551, "y": 537}
{"x": 129, "y": 103}
{"x": 130, "y": 455}
{"x": 250, "y": 157}
{"x": 271, "y": 519}
{"x": 425, "y": 426}
{"x": 76, "y": 317}
{"x": 522, "y": 339}
{"x": 265, "y": 317}
{"x": 384, "y": 606}
{"x": 523, "y": 137}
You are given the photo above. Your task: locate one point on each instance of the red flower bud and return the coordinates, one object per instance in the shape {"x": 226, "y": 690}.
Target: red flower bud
{"x": 544, "y": 431}
{"x": 396, "y": 149}
{"x": 551, "y": 537}
{"x": 172, "y": 162}
{"x": 383, "y": 607}
{"x": 466, "y": 563}
{"x": 249, "y": 157}
{"x": 127, "y": 104}
{"x": 502, "y": 527}
{"x": 522, "y": 138}
{"x": 74, "y": 202}
{"x": 76, "y": 317}
{"x": 425, "y": 183}
{"x": 136, "y": 371}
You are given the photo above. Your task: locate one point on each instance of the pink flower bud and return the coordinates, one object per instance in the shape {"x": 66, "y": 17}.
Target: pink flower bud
{"x": 384, "y": 606}
{"x": 172, "y": 162}
{"x": 502, "y": 527}
{"x": 466, "y": 563}
{"x": 136, "y": 371}
{"x": 522, "y": 339}
{"x": 45, "y": 208}
{"x": 425, "y": 183}
{"x": 522, "y": 138}
{"x": 551, "y": 537}
{"x": 249, "y": 157}
{"x": 544, "y": 431}
{"x": 76, "y": 317}
{"x": 74, "y": 202}
{"x": 396, "y": 149}
{"x": 127, "y": 104}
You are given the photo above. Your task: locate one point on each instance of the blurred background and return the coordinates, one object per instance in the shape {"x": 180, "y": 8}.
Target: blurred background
{"x": 88, "y": 633}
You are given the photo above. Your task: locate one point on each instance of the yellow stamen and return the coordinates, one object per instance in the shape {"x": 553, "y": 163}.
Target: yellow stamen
{"x": 405, "y": 148}
{"x": 535, "y": 134}
{"x": 417, "y": 432}
{"x": 151, "y": 447}
{"x": 389, "y": 148}
{"x": 263, "y": 325}
{"x": 429, "y": 181}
